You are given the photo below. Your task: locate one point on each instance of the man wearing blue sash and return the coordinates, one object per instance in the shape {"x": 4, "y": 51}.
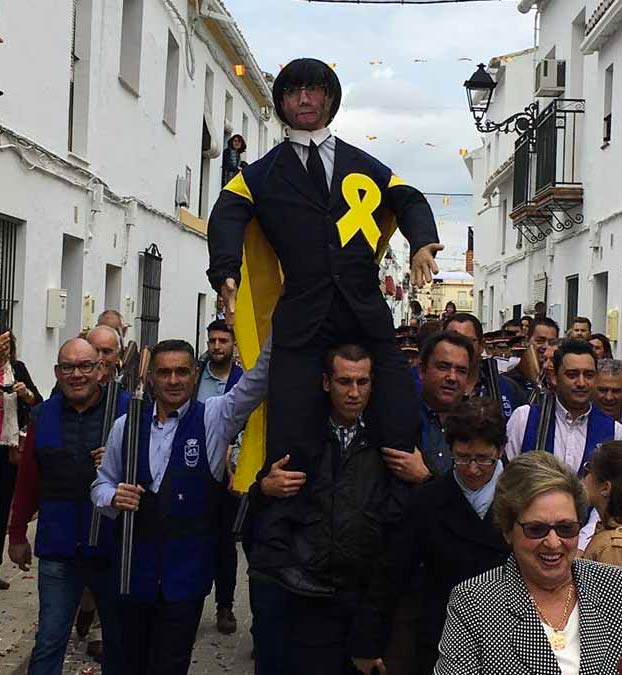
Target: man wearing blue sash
{"x": 55, "y": 475}
{"x": 181, "y": 459}
{"x": 576, "y": 426}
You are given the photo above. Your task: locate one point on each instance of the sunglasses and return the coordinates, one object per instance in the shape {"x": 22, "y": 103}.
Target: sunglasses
{"x": 565, "y": 529}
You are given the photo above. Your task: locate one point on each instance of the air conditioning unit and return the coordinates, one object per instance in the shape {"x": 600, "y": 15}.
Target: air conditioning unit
{"x": 550, "y": 77}
{"x": 182, "y": 197}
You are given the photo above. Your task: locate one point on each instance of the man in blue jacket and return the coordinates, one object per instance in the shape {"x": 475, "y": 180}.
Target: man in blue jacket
{"x": 181, "y": 459}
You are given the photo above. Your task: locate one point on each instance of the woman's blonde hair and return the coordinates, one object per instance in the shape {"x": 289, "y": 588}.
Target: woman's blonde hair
{"x": 528, "y": 476}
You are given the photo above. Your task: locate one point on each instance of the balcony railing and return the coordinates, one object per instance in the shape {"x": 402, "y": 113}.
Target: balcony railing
{"x": 557, "y": 134}
{"x": 547, "y": 183}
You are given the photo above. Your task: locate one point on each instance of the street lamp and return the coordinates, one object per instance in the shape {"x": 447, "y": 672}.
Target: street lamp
{"x": 480, "y": 87}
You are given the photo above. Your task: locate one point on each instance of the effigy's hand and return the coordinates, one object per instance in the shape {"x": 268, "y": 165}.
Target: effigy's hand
{"x": 423, "y": 266}
{"x": 228, "y": 293}
{"x": 369, "y": 666}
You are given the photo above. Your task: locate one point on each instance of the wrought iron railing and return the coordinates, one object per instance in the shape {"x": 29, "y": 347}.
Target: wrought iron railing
{"x": 522, "y": 162}
{"x": 557, "y": 144}
{"x": 150, "y": 314}
{"x": 8, "y": 248}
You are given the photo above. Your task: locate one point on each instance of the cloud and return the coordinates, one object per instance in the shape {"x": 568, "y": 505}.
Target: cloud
{"x": 413, "y": 103}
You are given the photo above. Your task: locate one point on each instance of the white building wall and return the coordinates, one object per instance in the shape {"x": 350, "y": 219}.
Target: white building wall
{"x": 505, "y": 272}
{"x": 129, "y": 149}
{"x": 593, "y": 248}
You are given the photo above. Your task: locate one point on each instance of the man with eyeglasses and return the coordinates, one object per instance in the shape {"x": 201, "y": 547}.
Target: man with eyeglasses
{"x": 54, "y": 478}
{"x": 181, "y": 461}
{"x": 324, "y": 210}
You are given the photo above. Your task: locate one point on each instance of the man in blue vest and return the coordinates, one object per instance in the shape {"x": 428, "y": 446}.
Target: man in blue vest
{"x": 181, "y": 459}
{"x": 576, "y": 426}
{"x": 55, "y": 475}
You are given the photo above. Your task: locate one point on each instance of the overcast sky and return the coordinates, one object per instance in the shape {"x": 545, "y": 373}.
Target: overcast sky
{"x": 413, "y": 102}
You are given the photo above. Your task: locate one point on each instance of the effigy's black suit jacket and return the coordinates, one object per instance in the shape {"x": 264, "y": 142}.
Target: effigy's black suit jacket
{"x": 304, "y": 232}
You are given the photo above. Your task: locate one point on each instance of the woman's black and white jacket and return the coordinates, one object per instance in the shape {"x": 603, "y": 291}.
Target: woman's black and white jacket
{"x": 492, "y": 627}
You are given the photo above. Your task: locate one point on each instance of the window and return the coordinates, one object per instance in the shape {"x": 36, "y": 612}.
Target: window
{"x": 491, "y": 307}
{"x": 8, "y": 250}
{"x": 171, "y": 85}
{"x": 572, "y": 299}
{"x": 480, "y": 306}
{"x": 228, "y": 112}
{"x": 79, "y": 77}
{"x": 150, "y": 273}
{"x": 503, "y": 223}
{"x": 245, "y": 127}
{"x": 209, "y": 90}
{"x": 600, "y": 289}
{"x": 519, "y": 239}
{"x": 608, "y": 104}
{"x": 131, "y": 43}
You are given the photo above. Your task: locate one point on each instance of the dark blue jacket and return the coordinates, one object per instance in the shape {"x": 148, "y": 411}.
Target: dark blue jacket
{"x": 600, "y": 428}
{"x": 173, "y": 548}
{"x": 64, "y": 440}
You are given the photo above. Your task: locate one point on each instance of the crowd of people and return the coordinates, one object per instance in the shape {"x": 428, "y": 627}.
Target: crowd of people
{"x": 492, "y": 510}
{"x": 424, "y": 507}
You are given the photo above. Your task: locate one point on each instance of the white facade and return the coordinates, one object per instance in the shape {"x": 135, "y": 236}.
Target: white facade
{"x": 576, "y": 270}
{"x": 154, "y": 98}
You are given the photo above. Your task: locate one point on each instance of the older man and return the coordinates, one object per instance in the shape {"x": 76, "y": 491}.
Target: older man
{"x": 318, "y": 203}
{"x": 55, "y": 475}
{"x": 107, "y": 341}
{"x": 608, "y": 388}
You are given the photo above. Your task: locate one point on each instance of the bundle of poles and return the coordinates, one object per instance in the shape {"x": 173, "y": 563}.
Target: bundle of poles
{"x": 134, "y": 414}
{"x": 110, "y": 413}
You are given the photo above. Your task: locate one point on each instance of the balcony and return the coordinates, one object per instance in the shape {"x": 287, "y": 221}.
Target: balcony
{"x": 548, "y": 192}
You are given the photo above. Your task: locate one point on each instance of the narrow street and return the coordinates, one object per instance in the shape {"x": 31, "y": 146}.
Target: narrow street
{"x": 213, "y": 653}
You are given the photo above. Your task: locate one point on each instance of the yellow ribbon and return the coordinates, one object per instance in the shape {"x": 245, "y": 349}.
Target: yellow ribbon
{"x": 360, "y": 217}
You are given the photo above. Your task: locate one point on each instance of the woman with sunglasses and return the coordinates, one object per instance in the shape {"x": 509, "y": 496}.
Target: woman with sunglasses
{"x": 544, "y": 611}
{"x": 603, "y": 482}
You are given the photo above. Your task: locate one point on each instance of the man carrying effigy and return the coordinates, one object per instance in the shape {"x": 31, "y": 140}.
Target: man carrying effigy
{"x": 326, "y": 211}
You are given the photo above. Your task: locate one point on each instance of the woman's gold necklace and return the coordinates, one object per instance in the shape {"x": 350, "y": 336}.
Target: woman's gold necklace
{"x": 557, "y": 639}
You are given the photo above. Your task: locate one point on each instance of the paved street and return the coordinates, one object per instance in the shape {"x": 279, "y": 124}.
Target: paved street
{"x": 214, "y": 653}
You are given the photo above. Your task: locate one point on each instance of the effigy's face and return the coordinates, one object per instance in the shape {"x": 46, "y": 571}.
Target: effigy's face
{"x": 307, "y": 107}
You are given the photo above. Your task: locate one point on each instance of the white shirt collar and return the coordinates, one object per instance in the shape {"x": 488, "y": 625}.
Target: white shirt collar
{"x": 176, "y": 414}
{"x": 303, "y": 137}
{"x": 563, "y": 412}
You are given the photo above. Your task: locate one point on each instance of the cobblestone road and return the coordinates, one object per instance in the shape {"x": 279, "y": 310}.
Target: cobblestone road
{"x": 214, "y": 653}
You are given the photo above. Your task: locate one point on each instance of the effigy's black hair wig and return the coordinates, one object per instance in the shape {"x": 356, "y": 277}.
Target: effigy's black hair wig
{"x": 301, "y": 72}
